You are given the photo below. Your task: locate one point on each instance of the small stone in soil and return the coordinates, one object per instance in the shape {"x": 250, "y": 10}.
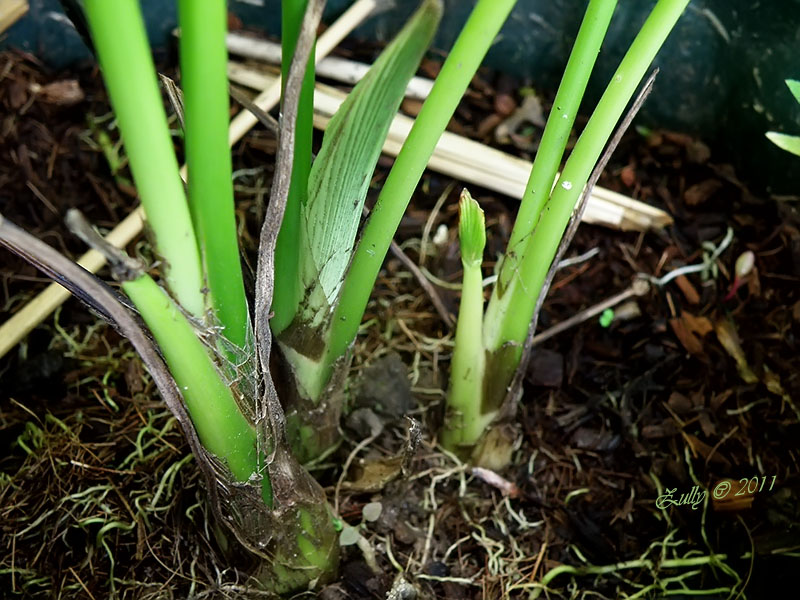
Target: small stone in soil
{"x": 385, "y": 387}
{"x": 546, "y": 368}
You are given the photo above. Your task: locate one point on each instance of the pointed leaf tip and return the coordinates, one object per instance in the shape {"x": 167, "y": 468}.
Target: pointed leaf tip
{"x": 471, "y": 229}
{"x": 794, "y": 87}
{"x": 342, "y": 171}
{"x": 790, "y": 143}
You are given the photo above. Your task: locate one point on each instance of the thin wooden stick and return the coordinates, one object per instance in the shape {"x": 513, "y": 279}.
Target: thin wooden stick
{"x": 472, "y": 162}
{"x": 53, "y": 296}
{"x": 38, "y": 309}
{"x": 424, "y": 283}
{"x": 639, "y": 287}
{"x": 11, "y": 11}
{"x": 333, "y": 67}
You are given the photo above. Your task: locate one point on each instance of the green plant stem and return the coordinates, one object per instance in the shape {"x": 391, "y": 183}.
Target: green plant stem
{"x": 121, "y": 42}
{"x": 556, "y": 133}
{"x": 221, "y": 426}
{"x": 287, "y": 250}
{"x": 465, "y": 421}
{"x": 204, "y": 79}
{"x": 508, "y": 318}
{"x": 471, "y": 46}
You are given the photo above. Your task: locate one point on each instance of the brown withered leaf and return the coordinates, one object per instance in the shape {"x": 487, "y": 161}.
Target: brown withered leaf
{"x": 729, "y": 495}
{"x": 700, "y": 192}
{"x": 709, "y": 429}
{"x": 66, "y": 92}
{"x": 373, "y": 475}
{"x": 17, "y": 95}
{"x": 729, "y": 338}
{"x": 664, "y": 429}
{"x": 688, "y": 340}
{"x": 718, "y": 399}
{"x": 699, "y": 325}
{"x": 700, "y": 448}
{"x": 754, "y": 283}
{"x": 679, "y": 403}
{"x": 688, "y": 290}
{"x": 690, "y": 331}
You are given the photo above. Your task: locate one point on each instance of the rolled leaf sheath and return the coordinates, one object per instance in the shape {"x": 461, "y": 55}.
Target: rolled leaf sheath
{"x": 287, "y": 294}
{"x": 337, "y": 187}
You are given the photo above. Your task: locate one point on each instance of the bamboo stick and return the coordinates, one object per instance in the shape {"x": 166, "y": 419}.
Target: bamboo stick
{"x": 476, "y": 163}
{"x": 53, "y": 296}
{"x": 11, "y": 11}
{"x": 332, "y": 67}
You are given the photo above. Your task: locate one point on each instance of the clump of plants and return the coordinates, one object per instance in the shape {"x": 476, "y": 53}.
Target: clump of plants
{"x": 213, "y": 351}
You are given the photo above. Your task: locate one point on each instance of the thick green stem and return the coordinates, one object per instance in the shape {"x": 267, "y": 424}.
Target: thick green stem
{"x": 508, "y": 317}
{"x": 221, "y": 426}
{"x": 206, "y": 106}
{"x": 287, "y": 251}
{"x": 121, "y": 42}
{"x": 556, "y": 133}
{"x": 465, "y": 421}
{"x": 471, "y": 46}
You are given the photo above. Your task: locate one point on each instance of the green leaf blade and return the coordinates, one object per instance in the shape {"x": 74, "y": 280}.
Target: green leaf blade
{"x": 341, "y": 173}
{"x": 790, "y": 143}
{"x": 794, "y": 87}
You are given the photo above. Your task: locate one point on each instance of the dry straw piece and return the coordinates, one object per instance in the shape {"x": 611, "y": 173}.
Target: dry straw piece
{"x": 472, "y": 162}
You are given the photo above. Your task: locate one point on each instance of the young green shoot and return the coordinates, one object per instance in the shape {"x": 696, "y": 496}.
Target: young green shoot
{"x": 465, "y": 421}
{"x": 510, "y": 308}
{"x": 337, "y": 188}
{"x": 122, "y": 48}
{"x": 204, "y": 81}
{"x": 467, "y": 53}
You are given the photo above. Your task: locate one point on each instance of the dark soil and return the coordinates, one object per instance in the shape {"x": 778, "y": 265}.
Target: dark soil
{"x": 99, "y": 496}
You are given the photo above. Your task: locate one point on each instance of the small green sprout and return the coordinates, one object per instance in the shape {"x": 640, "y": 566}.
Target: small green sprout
{"x": 351, "y": 534}
{"x": 466, "y": 419}
{"x": 606, "y": 318}
{"x": 742, "y": 268}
